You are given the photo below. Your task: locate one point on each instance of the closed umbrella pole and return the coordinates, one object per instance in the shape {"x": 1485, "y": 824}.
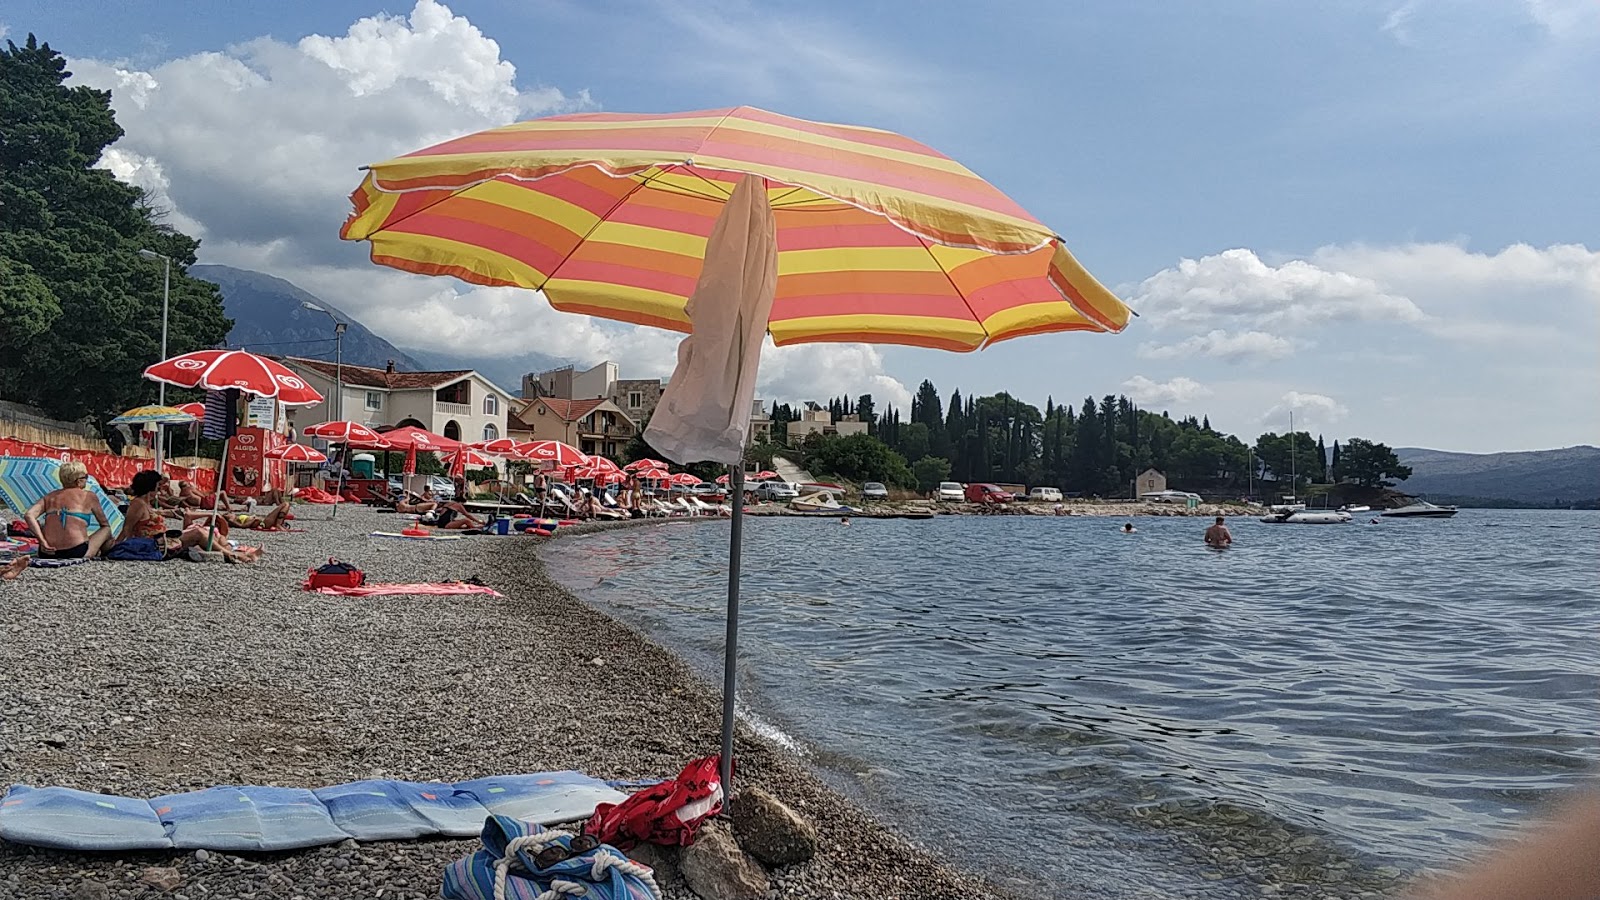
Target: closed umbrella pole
{"x": 730, "y": 652}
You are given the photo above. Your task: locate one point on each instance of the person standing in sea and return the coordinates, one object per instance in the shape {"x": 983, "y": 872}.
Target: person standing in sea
{"x": 1218, "y": 537}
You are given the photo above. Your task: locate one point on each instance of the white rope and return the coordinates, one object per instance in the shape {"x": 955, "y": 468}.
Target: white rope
{"x": 604, "y": 860}
{"x": 560, "y": 887}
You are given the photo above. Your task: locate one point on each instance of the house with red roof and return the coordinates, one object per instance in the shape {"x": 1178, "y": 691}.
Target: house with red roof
{"x": 460, "y": 404}
{"x": 595, "y": 425}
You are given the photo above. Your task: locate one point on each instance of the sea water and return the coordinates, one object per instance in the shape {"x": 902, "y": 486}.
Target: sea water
{"x": 1322, "y": 710}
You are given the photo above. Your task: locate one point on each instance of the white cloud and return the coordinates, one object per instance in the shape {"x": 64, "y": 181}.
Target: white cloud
{"x": 1312, "y": 412}
{"x": 1248, "y": 346}
{"x": 261, "y": 143}
{"x": 256, "y": 148}
{"x": 1565, "y": 18}
{"x": 1177, "y": 391}
{"x": 1396, "y": 23}
{"x": 1236, "y": 285}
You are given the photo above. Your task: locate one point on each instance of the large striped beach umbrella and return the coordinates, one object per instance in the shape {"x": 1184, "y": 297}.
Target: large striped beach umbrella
{"x": 832, "y": 233}
{"x": 880, "y": 238}
{"x": 155, "y": 415}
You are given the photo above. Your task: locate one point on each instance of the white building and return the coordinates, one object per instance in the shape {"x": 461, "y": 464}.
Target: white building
{"x": 461, "y": 404}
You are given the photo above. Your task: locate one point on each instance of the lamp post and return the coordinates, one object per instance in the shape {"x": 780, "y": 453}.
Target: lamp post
{"x": 166, "y": 298}
{"x": 338, "y": 356}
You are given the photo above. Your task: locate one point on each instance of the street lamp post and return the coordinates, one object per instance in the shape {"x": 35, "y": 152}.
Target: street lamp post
{"x": 338, "y": 356}
{"x": 166, "y": 298}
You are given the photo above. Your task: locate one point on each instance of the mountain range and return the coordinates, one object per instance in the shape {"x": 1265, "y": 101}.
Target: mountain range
{"x": 1536, "y": 477}
{"x": 268, "y": 315}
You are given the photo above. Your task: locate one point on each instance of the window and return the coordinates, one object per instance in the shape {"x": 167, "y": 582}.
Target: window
{"x": 490, "y": 432}
{"x": 635, "y": 399}
{"x": 374, "y": 400}
{"x": 491, "y": 405}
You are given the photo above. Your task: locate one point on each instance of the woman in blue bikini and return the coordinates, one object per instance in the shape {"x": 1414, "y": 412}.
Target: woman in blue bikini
{"x": 61, "y": 519}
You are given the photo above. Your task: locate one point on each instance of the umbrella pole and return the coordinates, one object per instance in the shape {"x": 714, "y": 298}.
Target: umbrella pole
{"x": 344, "y": 460}
{"x": 731, "y": 641}
{"x": 216, "y": 499}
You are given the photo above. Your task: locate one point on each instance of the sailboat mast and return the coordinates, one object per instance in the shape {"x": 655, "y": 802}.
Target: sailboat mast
{"x": 1294, "y": 474}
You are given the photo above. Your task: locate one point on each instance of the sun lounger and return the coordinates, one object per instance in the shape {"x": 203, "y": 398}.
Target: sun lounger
{"x": 25, "y": 481}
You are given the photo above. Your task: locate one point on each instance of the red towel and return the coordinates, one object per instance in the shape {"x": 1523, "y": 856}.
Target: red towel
{"x": 372, "y": 590}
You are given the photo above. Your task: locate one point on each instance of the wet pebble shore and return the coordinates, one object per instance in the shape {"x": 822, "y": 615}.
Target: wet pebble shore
{"x": 149, "y": 678}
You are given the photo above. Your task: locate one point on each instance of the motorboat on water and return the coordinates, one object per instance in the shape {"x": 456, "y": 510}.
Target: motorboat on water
{"x": 1421, "y": 509}
{"x": 1356, "y": 509}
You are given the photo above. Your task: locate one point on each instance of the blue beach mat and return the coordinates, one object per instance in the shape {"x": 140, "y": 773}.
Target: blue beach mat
{"x": 240, "y": 819}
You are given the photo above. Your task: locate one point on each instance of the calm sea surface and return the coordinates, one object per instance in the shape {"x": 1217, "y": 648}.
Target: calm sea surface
{"x": 1322, "y": 710}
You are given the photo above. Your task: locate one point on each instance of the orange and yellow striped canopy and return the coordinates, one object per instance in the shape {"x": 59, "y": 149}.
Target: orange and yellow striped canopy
{"x": 880, "y": 238}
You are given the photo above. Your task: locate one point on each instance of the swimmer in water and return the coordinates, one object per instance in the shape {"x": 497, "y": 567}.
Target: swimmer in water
{"x": 844, "y": 520}
{"x": 1128, "y": 528}
{"x": 1217, "y": 536}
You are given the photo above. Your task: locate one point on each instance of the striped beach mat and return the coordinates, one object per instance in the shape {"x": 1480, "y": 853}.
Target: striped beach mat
{"x": 25, "y": 480}
{"x": 241, "y": 819}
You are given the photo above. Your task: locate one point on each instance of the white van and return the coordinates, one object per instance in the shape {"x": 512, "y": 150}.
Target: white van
{"x": 1045, "y": 495}
{"x": 952, "y": 491}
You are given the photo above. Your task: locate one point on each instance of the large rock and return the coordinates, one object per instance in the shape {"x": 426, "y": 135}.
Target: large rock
{"x": 164, "y": 879}
{"x": 664, "y": 860}
{"x": 770, "y": 831}
{"x": 716, "y": 869}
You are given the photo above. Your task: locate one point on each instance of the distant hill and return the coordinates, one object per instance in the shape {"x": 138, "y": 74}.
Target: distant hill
{"x": 1542, "y": 477}
{"x": 267, "y": 316}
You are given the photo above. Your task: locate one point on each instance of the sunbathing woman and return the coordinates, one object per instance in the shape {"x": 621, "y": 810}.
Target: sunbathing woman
{"x": 61, "y": 519}
{"x": 415, "y": 504}
{"x": 144, "y": 520}
{"x": 452, "y": 516}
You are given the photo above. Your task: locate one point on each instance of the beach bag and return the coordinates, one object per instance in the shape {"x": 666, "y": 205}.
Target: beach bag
{"x": 523, "y": 861}
{"x": 667, "y": 814}
{"x": 334, "y": 573}
{"x": 138, "y": 549}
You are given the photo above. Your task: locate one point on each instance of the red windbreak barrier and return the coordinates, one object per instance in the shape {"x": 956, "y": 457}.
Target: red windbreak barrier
{"x": 111, "y": 471}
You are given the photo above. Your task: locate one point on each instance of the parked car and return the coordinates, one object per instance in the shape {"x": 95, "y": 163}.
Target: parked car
{"x": 443, "y": 488}
{"x": 950, "y": 491}
{"x": 1045, "y": 495}
{"x": 1169, "y": 496}
{"x": 706, "y": 489}
{"x": 874, "y": 490}
{"x": 987, "y": 493}
{"x": 781, "y": 491}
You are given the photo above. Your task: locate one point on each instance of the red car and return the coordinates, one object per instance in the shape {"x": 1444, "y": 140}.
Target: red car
{"x": 987, "y": 493}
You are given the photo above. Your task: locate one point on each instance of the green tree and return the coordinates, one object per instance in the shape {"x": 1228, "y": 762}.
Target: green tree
{"x": 1369, "y": 464}
{"x": 929, "y": 471}
{"x": 858, "y": 457}
{"x": 1321, "y": 461}
{"x": 82, "y": 310}
{"x": 866, "y": 412}
{"x": 914, "y": 443}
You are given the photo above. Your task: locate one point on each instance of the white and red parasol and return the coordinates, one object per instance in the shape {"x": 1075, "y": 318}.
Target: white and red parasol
{"x": 222, "y": 370}
{"x": 562, "y": 455}
{"x": 345, "y": 432}
{"x": 296, "y": 453}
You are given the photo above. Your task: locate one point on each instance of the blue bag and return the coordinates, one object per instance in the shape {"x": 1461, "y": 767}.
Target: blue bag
{"x": 138, "y": 549}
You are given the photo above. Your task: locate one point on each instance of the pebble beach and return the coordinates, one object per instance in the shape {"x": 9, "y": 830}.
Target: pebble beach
{"x": 148, "y": 678}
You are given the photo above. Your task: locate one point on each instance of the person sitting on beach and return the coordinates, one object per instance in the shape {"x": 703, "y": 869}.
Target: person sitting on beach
{"x": 144, "y": 521}
{"x": 273, "y": 520}
{"x": 1217, "y": 535}
{"x": 1128, "y": 528}
{"x": 190, "y": 496}
{"x": 61, "y": 518}
{"x": 414, "y": 503}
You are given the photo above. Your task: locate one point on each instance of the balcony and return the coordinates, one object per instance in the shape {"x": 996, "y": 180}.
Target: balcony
{"x": 453, "y": 409}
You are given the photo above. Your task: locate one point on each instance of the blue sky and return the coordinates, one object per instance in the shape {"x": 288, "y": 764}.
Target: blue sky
{"x": 1382, "y": 214}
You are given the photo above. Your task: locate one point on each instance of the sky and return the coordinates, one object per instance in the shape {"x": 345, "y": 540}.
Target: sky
{"x": 1383, "y": 216}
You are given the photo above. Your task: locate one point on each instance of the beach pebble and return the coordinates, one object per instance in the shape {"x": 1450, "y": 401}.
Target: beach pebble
{"x": 161, "y": 878}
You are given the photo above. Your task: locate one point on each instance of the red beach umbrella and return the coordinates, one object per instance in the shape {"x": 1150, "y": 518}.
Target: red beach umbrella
{"x": 684, "y": 478}
{"x": 196, "y": 409}
{"x": 221, "y": 370}
{"x": 722, "y": 479}
{"x": 765, "y": 476}
{"x": 296, "y": 453}
{"x": 638, "y": 464}
{"x": 470, "y": 458}
{"x": 497, "y": 447}
{"x": 411, "y": 438}
{"x": 601, "y": 464}
{"x": 563, "y": 455}
{"x": 344, "y": 432}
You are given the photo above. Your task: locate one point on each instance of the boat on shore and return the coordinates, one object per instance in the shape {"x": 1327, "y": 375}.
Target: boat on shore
{"x": 1421, "y": 509}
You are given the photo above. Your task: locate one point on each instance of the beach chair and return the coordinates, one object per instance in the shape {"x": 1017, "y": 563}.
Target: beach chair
{"x": 24, "y": 480}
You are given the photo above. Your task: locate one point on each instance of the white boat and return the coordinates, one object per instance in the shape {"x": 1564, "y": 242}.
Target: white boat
{"x": 1299, "y": 515}
{"x": 821, "y": 501}
{"x": 1421, "y": 509}
{"x": 1356, "y": 509}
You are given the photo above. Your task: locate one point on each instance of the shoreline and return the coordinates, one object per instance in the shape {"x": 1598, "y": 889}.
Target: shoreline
{"x": 185, "y": 675}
